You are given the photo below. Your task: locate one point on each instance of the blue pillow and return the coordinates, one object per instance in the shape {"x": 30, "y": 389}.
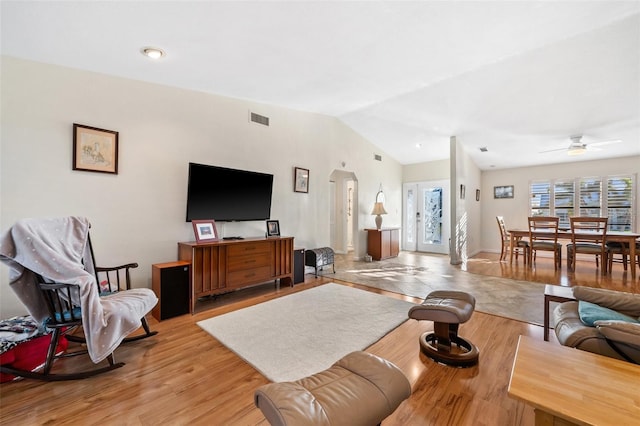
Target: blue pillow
{"x": 590, "y": 313}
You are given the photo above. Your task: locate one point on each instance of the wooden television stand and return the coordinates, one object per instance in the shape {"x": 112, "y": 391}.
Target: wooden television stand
{"x": 222, "y": 266}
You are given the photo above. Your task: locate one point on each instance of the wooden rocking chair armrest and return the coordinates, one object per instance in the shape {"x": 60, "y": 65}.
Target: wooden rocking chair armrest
{"x": 115, "y": 268}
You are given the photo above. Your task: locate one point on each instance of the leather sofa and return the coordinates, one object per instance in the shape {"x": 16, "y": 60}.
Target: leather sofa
{"x": 610, "y": 337}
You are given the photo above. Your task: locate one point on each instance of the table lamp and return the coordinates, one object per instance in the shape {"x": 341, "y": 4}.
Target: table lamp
{"x": 378, "y": 210}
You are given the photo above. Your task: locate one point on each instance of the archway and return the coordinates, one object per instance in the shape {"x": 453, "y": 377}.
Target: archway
{"x": 343, "y": 212}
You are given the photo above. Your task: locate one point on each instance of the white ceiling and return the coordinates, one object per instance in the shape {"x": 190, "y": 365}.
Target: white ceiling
{"x": 516, "y": 77}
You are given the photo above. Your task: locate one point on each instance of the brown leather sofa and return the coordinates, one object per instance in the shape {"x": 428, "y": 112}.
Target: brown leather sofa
{"x": 360, "y": 389}
{"x": 612, "y": 338}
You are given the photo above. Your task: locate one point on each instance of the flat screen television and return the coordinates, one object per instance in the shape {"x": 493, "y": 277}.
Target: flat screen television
{"x": 227, "y": 195}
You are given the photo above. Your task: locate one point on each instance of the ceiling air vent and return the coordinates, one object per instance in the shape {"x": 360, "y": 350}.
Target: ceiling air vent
{"x": 377, "y": 157}
{"x": 260, "y": 119}
{"x": 484, "y": 149}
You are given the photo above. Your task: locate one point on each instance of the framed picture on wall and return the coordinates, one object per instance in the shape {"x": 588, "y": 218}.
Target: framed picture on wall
{"x": 205, "y": 230}
{"x": 95, "y": 150}
{"x": 301, "y": 180}
{"x": 273, "y": 228}
{"x": 503, "y": 191}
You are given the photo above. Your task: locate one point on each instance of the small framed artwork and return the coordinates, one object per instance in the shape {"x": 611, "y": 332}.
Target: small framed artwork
{"x": 273, "y": 228}
{"x": 477, "y": 195}
{"x": 205, "y": 230}
{"x": 301, "y": 180}
{"x": 503, "y": 191}
{"x": 95, "y": 150}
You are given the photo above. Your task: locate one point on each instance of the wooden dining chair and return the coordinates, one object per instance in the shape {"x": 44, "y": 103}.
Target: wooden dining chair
{"x": 588, "y": 236}
{"x": 622, "y": 249}
{"x": 543, "y": 235}
{"x": 521, "y": 245}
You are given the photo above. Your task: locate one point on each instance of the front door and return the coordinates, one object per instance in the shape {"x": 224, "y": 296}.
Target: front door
{"x": 426, "y": 217}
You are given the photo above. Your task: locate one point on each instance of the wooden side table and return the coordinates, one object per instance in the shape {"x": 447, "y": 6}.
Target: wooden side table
{"x": 554, "y": 293}
{"x": 567, "y": 386}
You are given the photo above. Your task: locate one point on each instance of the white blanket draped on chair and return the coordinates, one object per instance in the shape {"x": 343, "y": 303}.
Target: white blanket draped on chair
{"x": 57, "y": 249}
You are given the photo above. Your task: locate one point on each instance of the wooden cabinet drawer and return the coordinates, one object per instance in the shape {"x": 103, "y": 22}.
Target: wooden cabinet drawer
{"x": 248, "y": 248}
{"x": 248, "y": 276}
{"x": 238, "y": 263}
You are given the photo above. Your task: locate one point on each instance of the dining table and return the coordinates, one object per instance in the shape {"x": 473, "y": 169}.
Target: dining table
{"x": 628, "y": 238}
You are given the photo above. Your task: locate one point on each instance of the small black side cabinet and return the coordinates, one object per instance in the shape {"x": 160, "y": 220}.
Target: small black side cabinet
{"x": 298, "y": 265}
{"x": 170, "y": 282}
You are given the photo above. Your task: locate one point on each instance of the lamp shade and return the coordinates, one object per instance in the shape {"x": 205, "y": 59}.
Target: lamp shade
{"x": 378, "y": 208}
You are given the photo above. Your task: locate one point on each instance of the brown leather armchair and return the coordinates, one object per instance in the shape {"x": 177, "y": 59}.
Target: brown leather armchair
{"x": 610, "y": 337}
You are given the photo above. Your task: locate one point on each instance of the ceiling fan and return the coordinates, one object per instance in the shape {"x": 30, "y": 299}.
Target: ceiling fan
{"x": 577, "y": 147}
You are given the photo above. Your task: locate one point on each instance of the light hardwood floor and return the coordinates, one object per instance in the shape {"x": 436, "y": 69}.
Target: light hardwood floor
{"x": 184, "y": 376}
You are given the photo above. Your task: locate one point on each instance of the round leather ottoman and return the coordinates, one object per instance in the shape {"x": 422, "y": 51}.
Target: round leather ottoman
{"x": 447, "y": 310}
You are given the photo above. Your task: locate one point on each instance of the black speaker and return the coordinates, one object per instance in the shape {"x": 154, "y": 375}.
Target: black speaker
{"x": 170, "y": 282}
{"x": 298, "y": 266}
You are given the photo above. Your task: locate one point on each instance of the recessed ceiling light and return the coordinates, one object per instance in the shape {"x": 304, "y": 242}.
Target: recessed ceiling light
{"x": 152, "y": 52}
{"x": 418, "y": 145}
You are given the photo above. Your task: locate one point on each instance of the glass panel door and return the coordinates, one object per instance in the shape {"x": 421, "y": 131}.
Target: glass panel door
{"x": 426, "y": 218}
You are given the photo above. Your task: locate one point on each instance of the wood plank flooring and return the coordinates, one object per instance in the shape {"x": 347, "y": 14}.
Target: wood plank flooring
{"x": 184, "y": 376}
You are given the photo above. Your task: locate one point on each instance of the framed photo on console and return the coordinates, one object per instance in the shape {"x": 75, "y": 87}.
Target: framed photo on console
{"x": 205, "y": 230}
{"x": 273, "y": 228}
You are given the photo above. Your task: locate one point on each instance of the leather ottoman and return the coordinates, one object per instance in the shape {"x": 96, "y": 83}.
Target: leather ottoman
{"x": 359, "y": 389}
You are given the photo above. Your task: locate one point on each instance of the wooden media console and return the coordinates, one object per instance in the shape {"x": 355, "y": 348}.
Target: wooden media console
{"x": 222, "y": 266}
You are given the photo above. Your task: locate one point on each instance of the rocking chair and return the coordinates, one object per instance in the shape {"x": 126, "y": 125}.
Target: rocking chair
{"x": 52, "y": 272}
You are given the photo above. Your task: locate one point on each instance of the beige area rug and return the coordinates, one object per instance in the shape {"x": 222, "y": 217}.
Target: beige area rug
{"x": 514, "y": 299}
{"x": 303, "y": 333}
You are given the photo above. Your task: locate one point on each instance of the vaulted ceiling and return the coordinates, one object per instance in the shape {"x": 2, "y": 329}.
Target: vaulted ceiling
{"x": 514, "y": 77}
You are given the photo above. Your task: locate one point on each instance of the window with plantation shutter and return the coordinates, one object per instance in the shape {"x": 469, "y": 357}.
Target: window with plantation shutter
{"x": 620, "y": 203}
{"x": 563, "y": 195}
{"x": 590, "y": 197}
{"x": 539, "y": 199}
{"x": 610, "y": 196}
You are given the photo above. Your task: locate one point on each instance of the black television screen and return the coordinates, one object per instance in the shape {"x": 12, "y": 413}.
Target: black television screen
{"x": 227, "y": 195}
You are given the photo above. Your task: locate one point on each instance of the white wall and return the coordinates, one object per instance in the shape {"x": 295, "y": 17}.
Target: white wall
{"x": 423, "y": 172}
{"x": 139, "y": 214}
{"x": 465, "y": 226}
{"x": 516, "y": 210}
{"x": 470, "y": 176}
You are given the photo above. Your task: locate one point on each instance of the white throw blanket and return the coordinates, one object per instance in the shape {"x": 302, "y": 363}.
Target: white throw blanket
{"x": 55, "y": 249}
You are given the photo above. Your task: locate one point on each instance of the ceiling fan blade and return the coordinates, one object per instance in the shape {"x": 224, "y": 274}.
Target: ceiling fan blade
{"x": 604, "y": 143}
{"x": 552, "y": 150}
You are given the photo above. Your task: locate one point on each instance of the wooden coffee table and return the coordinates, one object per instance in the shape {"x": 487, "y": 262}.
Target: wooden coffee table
{"x": 554, "y": 293}
{"x": 569, "y": 386}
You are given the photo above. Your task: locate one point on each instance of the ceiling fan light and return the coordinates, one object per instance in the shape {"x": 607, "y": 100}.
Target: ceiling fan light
{"x": 577, "y": 150}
